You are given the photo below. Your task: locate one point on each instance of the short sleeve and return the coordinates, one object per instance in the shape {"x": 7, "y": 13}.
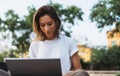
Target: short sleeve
{"x": 72, "y": 47}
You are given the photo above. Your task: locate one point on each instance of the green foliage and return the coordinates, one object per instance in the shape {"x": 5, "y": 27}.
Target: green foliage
{"x": 67, "y": 15}
{"x": 21, "y": 27}
{"x": 106, "y": 59}
{"x": 114, "y": 53}
{"x": 106, "y": 12}
{"x": 9, "y": 54}
{"x": 1, "y": 57}
{"x": 85, "y": 65}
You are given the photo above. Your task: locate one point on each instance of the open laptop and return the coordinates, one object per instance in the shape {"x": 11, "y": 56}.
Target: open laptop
{"x": 33, "y": 67}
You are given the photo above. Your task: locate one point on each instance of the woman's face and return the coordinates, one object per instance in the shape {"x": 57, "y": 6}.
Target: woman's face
{"x": 48, "y": 27}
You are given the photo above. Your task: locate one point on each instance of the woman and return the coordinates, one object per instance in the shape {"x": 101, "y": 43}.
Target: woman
{"x": 50, "y": 44}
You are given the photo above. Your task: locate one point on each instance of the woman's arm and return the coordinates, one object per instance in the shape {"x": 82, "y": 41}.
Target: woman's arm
{"x": 75, "y": 60}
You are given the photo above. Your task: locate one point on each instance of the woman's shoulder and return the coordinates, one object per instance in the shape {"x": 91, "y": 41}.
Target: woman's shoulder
{"x": 35, "y": 42}
{"x": 66, "y": 38}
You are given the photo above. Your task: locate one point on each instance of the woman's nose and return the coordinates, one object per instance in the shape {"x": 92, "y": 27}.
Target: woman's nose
{"x": 46, "y": 28}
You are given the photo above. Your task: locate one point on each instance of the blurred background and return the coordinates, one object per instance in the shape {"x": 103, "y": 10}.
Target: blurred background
{"x": 93, "y": 24}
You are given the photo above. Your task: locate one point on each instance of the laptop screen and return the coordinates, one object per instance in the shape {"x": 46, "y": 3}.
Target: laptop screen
{"x": 33, "y": 67}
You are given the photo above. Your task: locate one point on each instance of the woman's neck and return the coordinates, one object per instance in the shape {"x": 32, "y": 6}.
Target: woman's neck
{"x": 50, "y": 38}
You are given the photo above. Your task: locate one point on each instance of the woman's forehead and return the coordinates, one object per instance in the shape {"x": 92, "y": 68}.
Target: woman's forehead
{"x": 45, "y": 18}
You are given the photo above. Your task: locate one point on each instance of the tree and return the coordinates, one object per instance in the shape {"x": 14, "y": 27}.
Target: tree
{"x": 67, "y": 15}
{"x": 21, "y": 28}
{"x": 106, "y": 12}
{"x": 106, "y": 59}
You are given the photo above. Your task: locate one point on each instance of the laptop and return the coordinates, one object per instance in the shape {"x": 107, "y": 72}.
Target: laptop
{"x": 33, "y": 67}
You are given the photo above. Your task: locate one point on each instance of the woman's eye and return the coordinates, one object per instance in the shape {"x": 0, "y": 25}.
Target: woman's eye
{"x": 42, "y": 25}
{"x": 50, "y": 23}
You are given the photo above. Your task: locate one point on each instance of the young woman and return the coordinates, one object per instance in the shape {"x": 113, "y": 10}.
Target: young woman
{"x": 50, "y": 44}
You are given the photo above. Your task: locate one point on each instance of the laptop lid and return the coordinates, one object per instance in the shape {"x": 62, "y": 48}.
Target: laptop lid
{"x": 33, "y": 67}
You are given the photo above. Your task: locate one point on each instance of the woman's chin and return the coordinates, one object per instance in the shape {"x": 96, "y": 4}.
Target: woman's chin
{"x": 50, "y": 37}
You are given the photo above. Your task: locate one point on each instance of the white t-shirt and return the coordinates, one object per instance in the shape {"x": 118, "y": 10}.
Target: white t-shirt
{"x": 62, "y": 48}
